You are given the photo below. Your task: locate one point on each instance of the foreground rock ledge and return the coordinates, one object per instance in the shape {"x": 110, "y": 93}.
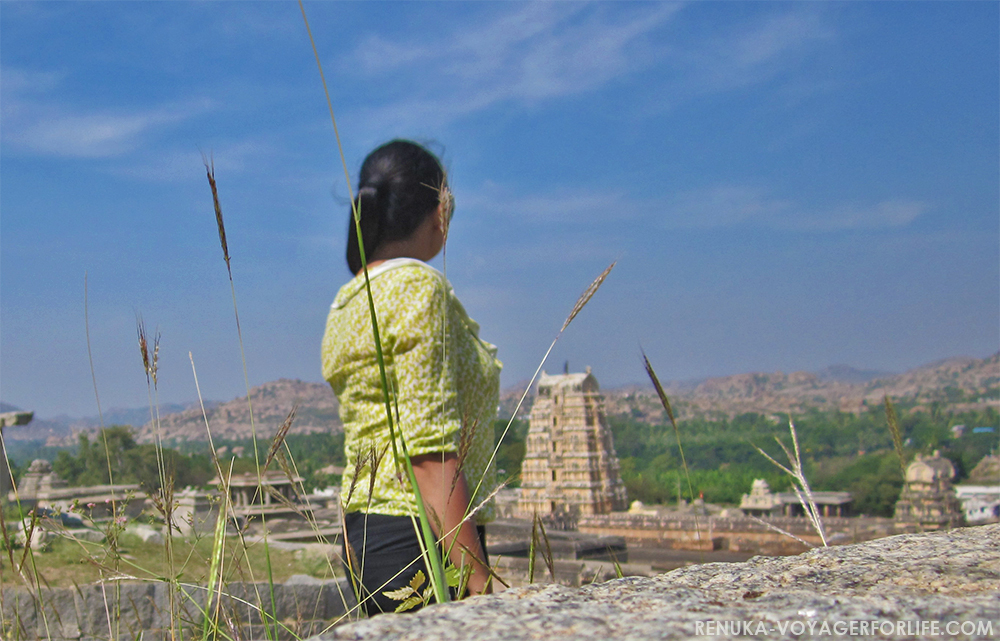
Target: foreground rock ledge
{"x": 946, "y": 577}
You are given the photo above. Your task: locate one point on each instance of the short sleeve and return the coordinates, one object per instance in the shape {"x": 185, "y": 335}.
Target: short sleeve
{"x": 422, "y": 368}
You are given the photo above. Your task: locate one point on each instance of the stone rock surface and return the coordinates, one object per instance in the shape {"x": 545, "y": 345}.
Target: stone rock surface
{"x": 147, "y": 533}
{"x": 141, "y": 610}
{"x": 905, "y": 584}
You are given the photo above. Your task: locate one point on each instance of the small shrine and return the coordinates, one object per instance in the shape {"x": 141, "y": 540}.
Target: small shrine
{"x": 761, "y": 501}
{"x": 928, "y": 499}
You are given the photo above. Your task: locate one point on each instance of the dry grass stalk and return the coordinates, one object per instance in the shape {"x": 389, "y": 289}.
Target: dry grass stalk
{"x": 466, "y": 437}
{"x": 781, "y": 531}
{"x": 799, "y": 482}
{"x": 577, "y": 308}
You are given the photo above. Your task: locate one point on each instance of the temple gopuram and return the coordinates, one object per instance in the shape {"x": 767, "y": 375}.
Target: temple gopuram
{"x": 570, "y": 466}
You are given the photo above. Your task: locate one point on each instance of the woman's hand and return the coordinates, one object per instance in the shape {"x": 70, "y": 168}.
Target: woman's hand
{"x": 446, "y": 508}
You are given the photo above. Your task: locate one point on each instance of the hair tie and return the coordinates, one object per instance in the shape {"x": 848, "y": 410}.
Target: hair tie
{"x": 367, "y": 190}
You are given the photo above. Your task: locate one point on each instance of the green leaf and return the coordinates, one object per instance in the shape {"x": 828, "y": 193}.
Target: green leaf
{"x": 455, "y": 576}
{"x": 408, "y": 591}
{"x": 417, "y": 580}
{"x": 409, "y": 604}
{"x": 400, "y": 594}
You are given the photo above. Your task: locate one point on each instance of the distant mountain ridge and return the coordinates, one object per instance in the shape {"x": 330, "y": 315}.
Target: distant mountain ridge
{"x": 965, "y": 381}
{"x": 848, "y": 374}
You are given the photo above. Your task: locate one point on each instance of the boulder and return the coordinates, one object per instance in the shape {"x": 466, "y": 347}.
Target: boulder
{"x": 905, "y": 584}
{"x": 147, "y": 533}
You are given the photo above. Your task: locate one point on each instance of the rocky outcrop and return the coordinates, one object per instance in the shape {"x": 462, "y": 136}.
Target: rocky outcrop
{"x": 316, "y": 412}
{"x": 941, "y": 585}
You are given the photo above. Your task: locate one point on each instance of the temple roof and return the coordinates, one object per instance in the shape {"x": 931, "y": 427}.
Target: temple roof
{"x": 567, "y": 380}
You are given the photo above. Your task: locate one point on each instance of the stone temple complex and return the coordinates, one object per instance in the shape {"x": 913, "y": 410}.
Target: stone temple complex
{"x": 570, "y": 467}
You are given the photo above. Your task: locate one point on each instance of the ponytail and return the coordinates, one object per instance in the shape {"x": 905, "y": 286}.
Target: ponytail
{"x": 399, "y": 186}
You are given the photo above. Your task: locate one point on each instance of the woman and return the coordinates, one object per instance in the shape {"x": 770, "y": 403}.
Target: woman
{"x": 445, "y": 382}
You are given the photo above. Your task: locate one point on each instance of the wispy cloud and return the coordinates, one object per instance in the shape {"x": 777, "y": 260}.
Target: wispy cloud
{"x": 715, "y": 207}
{"x": 741, "y": 205}
{"x": 34, "y": 121}
{"x": 755, "y": 52}
{"x": 537, "y": 52}
{"x": 545, "y": 51}
{"x": 563, "y": 205}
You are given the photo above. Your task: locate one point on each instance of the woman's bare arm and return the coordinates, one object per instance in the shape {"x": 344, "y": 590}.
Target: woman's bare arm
{"x": 434, "y": 474}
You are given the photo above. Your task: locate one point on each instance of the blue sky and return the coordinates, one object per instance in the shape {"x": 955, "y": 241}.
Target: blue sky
{"x": 786, "y": 186}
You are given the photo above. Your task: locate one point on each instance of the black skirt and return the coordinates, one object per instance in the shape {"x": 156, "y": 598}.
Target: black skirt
{"x": 391, "y": 558}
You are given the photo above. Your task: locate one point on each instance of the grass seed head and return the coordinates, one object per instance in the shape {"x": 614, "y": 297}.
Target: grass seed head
{"x": 659, "y": 390}
{"x": 147, "y": 362}
{"x": 279, "y": 436}
{"x": 587, "y": 295}
{"x": 897, "y": 434}
{"x": 466, "y": 437}
{"x": 210, "y": 172}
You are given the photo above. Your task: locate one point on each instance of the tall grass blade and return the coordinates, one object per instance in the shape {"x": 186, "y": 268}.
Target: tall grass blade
{"x": 532, "y": 548}
{"x": 100, "y": 420}
{"x": 670, "y": 414}
{"x": 437, "y": 578}
{"x": 677, "y": 433}
{"x": 549, "y": 562}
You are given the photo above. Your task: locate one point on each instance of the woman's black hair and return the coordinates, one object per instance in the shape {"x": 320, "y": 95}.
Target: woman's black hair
{"x": 398, "y": 187}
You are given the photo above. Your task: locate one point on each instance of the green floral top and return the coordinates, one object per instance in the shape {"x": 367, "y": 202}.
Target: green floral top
{"x": 447, "y": 382}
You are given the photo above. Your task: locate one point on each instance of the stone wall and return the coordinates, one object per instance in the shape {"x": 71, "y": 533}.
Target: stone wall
{"x": 905, "y": 584}
{"x": 304, "y": 605}
{"x": 736, "y": 534}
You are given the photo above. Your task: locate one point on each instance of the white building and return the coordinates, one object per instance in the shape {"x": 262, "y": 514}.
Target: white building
{"x": 980, "y": 495}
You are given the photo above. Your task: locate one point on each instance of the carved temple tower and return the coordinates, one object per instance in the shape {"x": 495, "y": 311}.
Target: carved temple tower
{"x": 570, "y": 466}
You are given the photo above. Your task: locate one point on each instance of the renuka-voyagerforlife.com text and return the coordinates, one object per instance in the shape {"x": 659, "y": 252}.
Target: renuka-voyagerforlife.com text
{"x": 849, "y": 628}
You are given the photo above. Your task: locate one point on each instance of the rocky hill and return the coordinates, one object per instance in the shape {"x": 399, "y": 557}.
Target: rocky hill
{"x": 961, "y": 383}
{"x": 316, "y": 412}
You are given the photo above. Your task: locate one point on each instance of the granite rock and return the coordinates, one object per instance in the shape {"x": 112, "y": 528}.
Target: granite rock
{"x": 900, "y": 587}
